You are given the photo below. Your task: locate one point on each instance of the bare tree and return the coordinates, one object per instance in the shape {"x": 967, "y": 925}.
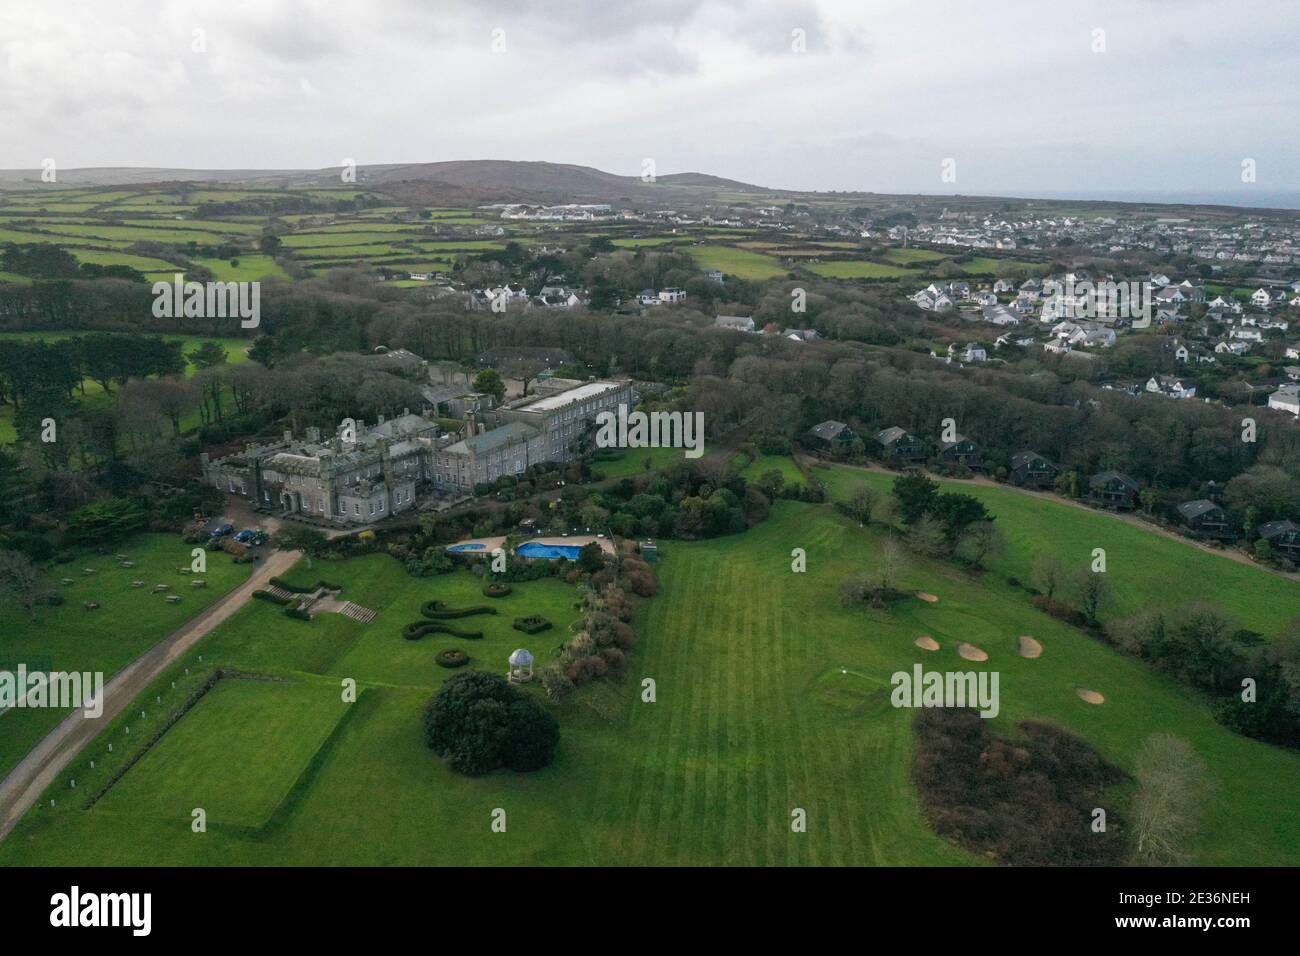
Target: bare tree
{"x": 1092, "y": 592}
{"x": 18, "y": 580}
{"x": 1172, "y": 790}
{"x": 1048, "y": 574}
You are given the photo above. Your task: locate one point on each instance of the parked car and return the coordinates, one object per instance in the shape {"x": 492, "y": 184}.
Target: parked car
{"x": 245, "y": 536}
{"x": 223, "y": 530}
{"x": 260, "y": 538}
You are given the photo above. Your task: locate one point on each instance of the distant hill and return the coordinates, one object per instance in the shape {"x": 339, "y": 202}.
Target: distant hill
{"x": 452, "y": 182}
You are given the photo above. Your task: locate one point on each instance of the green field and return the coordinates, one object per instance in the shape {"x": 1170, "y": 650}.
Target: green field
{"x": 857, "y": 269}
{"x": 633, "y": 461}
{"x": 770, "y": 696}
{"x": 129, "y": 621}
{"x": 741, "y": 263}
{"x": 251, "y": 268}
{"x": 765, "y": 463}
{"x": 1147, "y": 570}
{"x": 236, "y": 754}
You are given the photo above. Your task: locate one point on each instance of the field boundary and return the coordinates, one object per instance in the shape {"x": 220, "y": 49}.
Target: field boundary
{"x": 366, "y": 702}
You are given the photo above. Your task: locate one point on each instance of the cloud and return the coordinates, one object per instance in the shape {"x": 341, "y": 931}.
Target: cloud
{"x": 882, "y": 93}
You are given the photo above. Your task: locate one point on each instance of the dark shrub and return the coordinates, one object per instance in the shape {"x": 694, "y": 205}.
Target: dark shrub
{"x": 478, "y": 723}
{"x": 533, "y": 624}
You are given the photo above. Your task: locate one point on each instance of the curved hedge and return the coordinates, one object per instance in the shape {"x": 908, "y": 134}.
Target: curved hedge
{"x": 417, "y": 629}
{"x": 496, "y": 589}
{"x": 533, "y": 624}
{"x": 438, "y": 611}
{"x": 451, "y": 657}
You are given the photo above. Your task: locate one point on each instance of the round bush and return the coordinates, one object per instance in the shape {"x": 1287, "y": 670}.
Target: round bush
{"x": 496, "y": 589}
{"x": 451, "y": 657}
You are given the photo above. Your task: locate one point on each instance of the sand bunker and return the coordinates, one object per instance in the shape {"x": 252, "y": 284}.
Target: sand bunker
{"x": 926, "y": 643}
{"x": 1091, "y": 696}
{"x": 930, "y": 598}
{"x": 1030, "y": 647}
{"x": 971, "y": 652}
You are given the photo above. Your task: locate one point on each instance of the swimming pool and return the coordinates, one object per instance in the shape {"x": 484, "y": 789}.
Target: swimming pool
{"x": 470, "y": 546}
{"x": 533, "y": 549}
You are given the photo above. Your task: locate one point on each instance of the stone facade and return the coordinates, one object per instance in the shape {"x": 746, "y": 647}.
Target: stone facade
{"x": 357, "y": 477}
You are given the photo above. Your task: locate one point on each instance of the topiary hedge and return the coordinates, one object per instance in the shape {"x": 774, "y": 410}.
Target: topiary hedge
{"x": 297, "y": 613}
{"x": 417, "y": 629}
{"x": 496, "y": 589}
{"x": 438, "y": 611}
{"x": 273, "y": 598}
{"x": 533, "y": 624}
{"x": 451, "y": 657}
{"x": 282, "y": 583}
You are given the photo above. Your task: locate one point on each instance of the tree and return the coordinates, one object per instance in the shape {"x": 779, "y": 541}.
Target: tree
{"x": 916, "y": 495}
{"x": 477, "y": 722}
{"x": 771, "y": 482}
{"x": 1048, "y": 574}
{"x": 207, "y": 355}
{"x": 862, "y": 503}
{"x": 1172, "y": 789}
{"x": 18, "y": 580}
{"x": 489, "y": 382}
{"x": 980, "y": 541}
{"x": 1091, "y": 592}
{"x": 307, "y": 540}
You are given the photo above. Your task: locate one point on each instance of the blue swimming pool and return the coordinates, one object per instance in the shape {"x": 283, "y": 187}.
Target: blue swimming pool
{"x": 533, "y": 549}
{"x": 471, "y": 546}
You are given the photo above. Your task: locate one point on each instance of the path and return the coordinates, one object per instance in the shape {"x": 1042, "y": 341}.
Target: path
{"x": 35, "y": 772}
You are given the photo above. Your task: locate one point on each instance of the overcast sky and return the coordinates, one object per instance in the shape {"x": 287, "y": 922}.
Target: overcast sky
{"x": 1016, "y": 93}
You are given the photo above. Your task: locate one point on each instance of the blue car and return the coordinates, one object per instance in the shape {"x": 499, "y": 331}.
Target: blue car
{"x": 224, "y": 530}
{"x": 245, "y": 536}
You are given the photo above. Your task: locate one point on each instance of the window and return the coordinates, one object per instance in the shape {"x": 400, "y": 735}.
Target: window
{"x": 356, "y": 509}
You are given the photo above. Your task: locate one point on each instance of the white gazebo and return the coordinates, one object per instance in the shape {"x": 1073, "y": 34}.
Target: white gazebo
{"x": 521, "y": 666}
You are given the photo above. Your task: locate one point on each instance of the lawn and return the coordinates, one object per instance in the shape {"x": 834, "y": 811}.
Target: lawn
{"x": 236, "y": 754}
{"x": 770, "y": 696}
{"x": 633, "y": 461}
{"x": 1146, "y": 569}
{"x": 765, "y": 463}
{"x": 128, "y": 622}
{"x": 741, "y": 263}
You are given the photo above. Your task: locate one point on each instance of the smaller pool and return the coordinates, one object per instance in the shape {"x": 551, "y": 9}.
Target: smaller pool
{"x": 533, "y": 549}
{"x": 471, "y": 546}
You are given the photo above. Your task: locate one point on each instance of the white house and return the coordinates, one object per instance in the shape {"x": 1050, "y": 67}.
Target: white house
{"x": 1170, "y": 385}
{"x": 1286, "y": 399}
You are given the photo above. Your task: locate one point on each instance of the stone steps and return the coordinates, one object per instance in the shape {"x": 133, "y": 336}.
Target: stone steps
{"x": 358, "y": 613}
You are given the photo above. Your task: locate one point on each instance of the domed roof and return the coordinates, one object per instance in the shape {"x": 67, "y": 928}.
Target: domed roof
{"x": 521, "y": 658}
